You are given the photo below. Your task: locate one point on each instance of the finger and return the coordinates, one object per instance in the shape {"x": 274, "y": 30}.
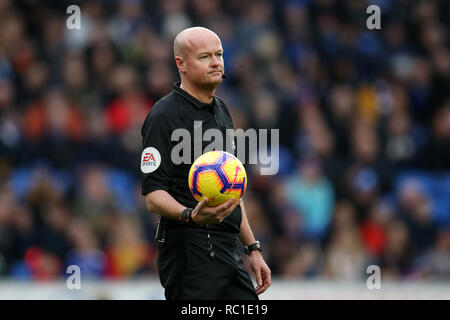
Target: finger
{"x": 225, "y": 205}
{"x": 226, "y": 212}
{"x": 258, "y": 277}
{"x": 263, "y": 288}
{"x": 230, "y": 202}
{"x": 266, "y": 282}
{"x": 201, "y": 204}
{"x": 235, "y": 204}
{"x": 260, "y": 289}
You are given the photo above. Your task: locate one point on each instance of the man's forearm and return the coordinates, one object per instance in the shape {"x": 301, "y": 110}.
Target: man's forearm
{"x": 246, "y": 236}
{"x": 162, "y": 203}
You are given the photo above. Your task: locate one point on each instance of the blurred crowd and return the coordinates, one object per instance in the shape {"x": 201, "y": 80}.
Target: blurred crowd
{"x": 364, "y": 120}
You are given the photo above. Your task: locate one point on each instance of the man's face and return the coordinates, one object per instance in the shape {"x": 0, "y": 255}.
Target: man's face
{"x": 204, "y": 62}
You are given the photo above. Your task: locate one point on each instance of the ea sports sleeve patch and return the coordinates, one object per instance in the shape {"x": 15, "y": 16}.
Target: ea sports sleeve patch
{"x": 156, "y": 164}
{"x": 150, "y": 160}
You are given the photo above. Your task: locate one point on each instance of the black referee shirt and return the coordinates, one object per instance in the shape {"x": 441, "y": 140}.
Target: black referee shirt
{"x": 179, "y": 110}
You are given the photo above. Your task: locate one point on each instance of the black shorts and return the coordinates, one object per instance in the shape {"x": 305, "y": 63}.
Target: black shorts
{"x": 187, "y": 271}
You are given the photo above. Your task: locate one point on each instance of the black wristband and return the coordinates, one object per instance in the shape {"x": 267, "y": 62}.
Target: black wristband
{"x": 186, "y": 216}
{"x": 190, "y": 217}
{"x": 252, "y": 247}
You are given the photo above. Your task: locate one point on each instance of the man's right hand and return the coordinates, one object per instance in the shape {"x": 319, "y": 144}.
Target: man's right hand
{"x": 203, "y": 214}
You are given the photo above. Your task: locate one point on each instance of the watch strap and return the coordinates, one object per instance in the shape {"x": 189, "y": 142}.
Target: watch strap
{"x": 186, "y": 216}
{"x": 254, "y": 246}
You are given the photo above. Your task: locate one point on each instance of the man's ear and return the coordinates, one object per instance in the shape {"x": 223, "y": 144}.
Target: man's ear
{"x": 180, "y": 63}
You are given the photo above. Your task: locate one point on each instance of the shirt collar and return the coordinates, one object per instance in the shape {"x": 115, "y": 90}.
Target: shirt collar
{"x": 197, "y": 103}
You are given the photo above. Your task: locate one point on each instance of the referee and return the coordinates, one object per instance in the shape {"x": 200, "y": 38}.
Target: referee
{"x": 199, "y": 256}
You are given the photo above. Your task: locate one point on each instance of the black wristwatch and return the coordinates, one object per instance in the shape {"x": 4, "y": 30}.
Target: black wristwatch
{"x": 253, "y": 246}
{"x": 186, "y": 216}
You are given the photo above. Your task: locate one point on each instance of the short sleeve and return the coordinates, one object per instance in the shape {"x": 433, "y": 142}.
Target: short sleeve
{"x": 155, "y": 158}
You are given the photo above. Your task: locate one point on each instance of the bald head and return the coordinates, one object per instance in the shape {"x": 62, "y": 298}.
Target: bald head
{"x": 189, "y": 39}
{"x": 198, "y": 55}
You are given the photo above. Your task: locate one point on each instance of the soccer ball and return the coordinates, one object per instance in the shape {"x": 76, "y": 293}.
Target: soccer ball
{"x": 217, "y": 175}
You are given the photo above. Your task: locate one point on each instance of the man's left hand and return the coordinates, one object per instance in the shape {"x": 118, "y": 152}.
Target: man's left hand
{"x": 261, "y": 271}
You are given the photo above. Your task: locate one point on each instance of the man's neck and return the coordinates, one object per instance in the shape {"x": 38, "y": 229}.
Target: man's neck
{"x": 202, "y": 95}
